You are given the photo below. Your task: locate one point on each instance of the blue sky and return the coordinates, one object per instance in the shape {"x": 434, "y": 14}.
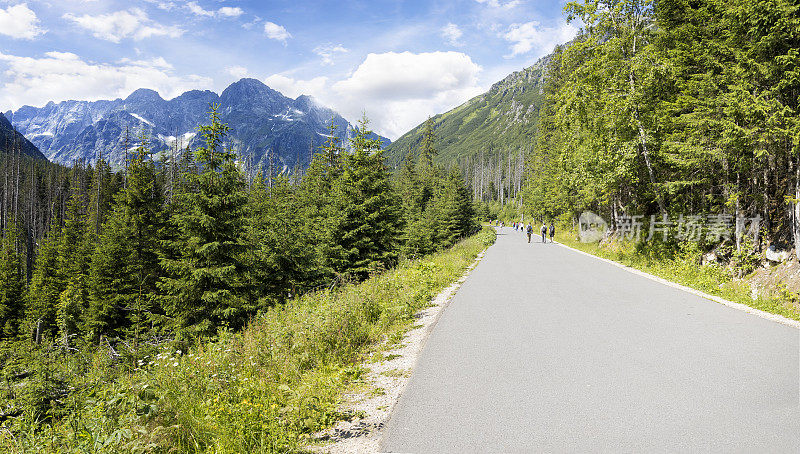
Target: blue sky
{"x": 398, "y": 61}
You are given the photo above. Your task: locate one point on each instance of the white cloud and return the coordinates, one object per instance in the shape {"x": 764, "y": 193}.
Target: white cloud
{"x": 500, "y": 4}
{"x": 239, "y": 72}
{"x": 198, "y": 10}
{"x": 531, "y": 36}
{"x": 118, "y": 25}
{"x": 327, "y": 52}
{"x": 293, "y": 88}
{"x": 225, "y": 11}
{"x": 276, "y": 32}
{"x": 228, "y": 11}
{"x": 62, "y": 75}
{"x": 20, "y": 22}
{"x": 452, "y": 34}
{"x": 396, "y": 90}
{"x": 162, "y": 4}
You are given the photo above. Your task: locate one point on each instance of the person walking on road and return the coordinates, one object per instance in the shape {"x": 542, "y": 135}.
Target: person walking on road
{"x": 552, "y": 231}
{"x": 544, "y": 232}
{"x": 529, "y": 231}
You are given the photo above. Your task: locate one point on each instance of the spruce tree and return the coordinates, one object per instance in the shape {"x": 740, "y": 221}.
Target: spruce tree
{"x": 364, "y": 231}
{"x": 12, "y": 282}
{"x": 46, "y": 285}
{"x": 280, "y": 259}
{"x": 205, "y": 288}
{"x": 125, "y": 266}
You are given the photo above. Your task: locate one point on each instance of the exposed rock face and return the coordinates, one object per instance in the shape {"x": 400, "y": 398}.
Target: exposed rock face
{"x": 774, "y": 254}
{"x": 261, "y": 119}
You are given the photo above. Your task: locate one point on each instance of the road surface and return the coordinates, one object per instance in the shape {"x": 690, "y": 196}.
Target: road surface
{"x": 544, "y": 349}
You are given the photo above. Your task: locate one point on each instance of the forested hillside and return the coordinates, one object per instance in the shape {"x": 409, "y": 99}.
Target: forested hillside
{"x": 674, "y": 108}
{"x": 11, "y": 141}
{"x": 488, "y": 136}
{"x": 118, "y": 266}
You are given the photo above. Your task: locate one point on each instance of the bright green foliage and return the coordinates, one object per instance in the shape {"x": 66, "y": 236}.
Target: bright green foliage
{"x": 673, "y": 106}
{"x": 185, "y": 256}
{"x": 315, "y": 198}
{"x": 265, "y": 389}
{"x": 453, "y": 211}
{"x": 206, "y": 287}
{"x": 71, "y": 306}
{"x": 12, "y": 282}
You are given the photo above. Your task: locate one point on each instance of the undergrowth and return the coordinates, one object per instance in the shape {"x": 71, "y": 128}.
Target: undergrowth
{"x": 682, "y": 264}
{"x": 265, "y": 389}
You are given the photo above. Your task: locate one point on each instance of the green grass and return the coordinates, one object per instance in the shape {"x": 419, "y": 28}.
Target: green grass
{"x": 683, "y": 267}
{"x": 265, "y": 389}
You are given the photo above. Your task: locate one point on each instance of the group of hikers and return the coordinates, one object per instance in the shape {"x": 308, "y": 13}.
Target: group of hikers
{"x": 528, "y": 230}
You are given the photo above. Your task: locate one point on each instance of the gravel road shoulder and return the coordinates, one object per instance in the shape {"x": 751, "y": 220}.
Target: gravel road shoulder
{"x": 387, "y": 379}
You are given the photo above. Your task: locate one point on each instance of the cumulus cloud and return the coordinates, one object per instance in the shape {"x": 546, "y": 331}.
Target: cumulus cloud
{"x": 118, "y": 25}
{"x": 225, "y": 11}
{"x": 276, "y": 32}
{"x": 452, "y": 34}
{"x": 396, "y": 90}
{"x": 327, "y": 52}
{"x": 500, "y": 4}
{"x": 532, "y": 36}
{"x": 293, "y": 88}
{"x": 239, "y": 72}
{"x": 20, "y": 22}
{"x": 63, "y": 75}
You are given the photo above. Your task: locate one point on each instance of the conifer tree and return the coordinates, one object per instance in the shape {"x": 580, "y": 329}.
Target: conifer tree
{"x": 125, "y": 266}
{"x": 365, "y": 229}
{"x": 205, "y": 288}
{"x": 47, "y": 283}
{"x": 315, "y": 200}
{"x": 12, "y": 282}
{"x": 280, "y": 261}
{"x": 453, "y": 211}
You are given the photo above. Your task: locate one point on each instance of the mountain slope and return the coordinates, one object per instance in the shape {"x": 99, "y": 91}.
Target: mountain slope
{"x": 505, "y": 118}
{"x": 11, "y": 141}
{"x": 261, "y": 119}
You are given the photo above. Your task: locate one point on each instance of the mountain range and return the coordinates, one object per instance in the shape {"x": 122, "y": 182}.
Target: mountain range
{"x": 261, "y": 120}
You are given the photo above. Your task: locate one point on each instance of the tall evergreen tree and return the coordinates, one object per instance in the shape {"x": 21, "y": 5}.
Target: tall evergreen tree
{"x": 125, "y": 266}
{"x": 45, "y": 288}
{"x": 12, "y": 282}
{"x": 205, "y": 288}
{"x": 364, "y": 231}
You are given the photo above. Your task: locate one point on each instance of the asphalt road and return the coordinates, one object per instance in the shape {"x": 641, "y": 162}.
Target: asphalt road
{"x": 544, "y": 349}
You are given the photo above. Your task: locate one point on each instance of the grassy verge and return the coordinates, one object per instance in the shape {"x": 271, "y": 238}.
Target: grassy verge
{"x": 683, "y": 267}
{"x": 265, "y": 389}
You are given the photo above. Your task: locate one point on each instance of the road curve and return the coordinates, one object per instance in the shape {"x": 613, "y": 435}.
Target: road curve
{"x": 544, "y": 349}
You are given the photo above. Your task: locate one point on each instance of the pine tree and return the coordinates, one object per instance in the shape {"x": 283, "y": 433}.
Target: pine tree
{"x": 453, "y": 211}
{"x": 205, "y": 288}
{"x": 315, "y": 203}
{"x": 45, "y": 288}
{"x": 280, "y": 261}
{"x": 125, "y": 266}
{"x": 12, "y": 282}
{"x": 364, "y": 231}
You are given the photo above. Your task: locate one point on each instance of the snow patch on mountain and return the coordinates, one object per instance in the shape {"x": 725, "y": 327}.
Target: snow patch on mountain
{"x": 138, "y": 117}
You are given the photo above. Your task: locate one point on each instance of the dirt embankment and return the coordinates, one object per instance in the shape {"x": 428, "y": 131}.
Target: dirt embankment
{"x": 777, "y": 281}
